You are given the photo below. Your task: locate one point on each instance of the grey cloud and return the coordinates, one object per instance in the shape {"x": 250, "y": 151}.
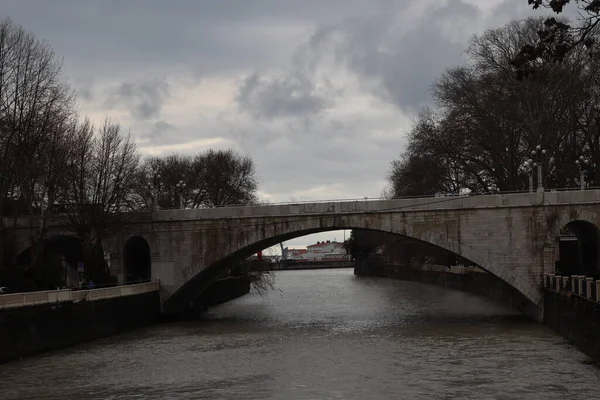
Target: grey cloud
{"x": 85, "y": 91}
{"x": 143, "y": 98}
{"x": 114, "y": 37}
{"x": 123, "y": 41}
{"x": 284, "y": 96}
{"x": 405, "y": 70}
{"x": 402, "y": 74}
{"x": 357, "y": 167}
{"x": 161, "y": 132}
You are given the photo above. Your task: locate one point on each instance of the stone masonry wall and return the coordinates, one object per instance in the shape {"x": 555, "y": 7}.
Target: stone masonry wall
{"x": 479, "y": 283}
{"x": 222, "y": 291}
{"x": 576, "y": 318}
{"x": 31, "y": 330}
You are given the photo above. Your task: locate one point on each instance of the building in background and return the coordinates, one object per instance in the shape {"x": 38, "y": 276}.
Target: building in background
{"x": 296, "y": 254}
{"x": 326, "y": 251}
{"x": 319, "y": 252}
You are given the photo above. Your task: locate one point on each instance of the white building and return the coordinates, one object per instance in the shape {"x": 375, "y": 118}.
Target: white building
{"x": 326, "y": 251}
{"x": 296, "y": 254}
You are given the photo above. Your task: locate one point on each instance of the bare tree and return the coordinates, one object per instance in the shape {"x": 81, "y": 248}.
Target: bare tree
{"x": 102, "y": 173}
{"x": 486, "y": 123}
{"x": 227, "y": 178}
{"x": 214, "y": 178}
{"x": 35, "y": 103}
{"x": 173, "y": 169}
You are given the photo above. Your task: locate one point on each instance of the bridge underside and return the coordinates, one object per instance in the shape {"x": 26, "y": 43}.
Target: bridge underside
{"x": 183, "y": 298}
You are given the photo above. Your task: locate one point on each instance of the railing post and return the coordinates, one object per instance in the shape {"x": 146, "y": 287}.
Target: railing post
{"x": 573, "y": 286}
{"x": 565, "y": 283}
{"x": 540, "y": 187}
{"x": 580, "y": 280}
{"x": 558, "y": 283}
{"x": 588, "y": 287}
{"x": 598, "y": 290}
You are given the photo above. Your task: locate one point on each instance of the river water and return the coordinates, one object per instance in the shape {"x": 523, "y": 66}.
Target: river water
{"x": 321, "y": 335}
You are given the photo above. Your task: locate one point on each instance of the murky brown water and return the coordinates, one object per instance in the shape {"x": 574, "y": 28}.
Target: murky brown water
{"x": 321, "y": 335}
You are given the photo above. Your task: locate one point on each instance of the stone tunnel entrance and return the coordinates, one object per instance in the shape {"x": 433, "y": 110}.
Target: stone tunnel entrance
{"x": 137, "y": 260}
{"x": 578, "y": 249}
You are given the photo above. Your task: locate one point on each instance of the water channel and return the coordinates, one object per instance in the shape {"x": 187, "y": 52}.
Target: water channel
{"x": 321, "y": 335}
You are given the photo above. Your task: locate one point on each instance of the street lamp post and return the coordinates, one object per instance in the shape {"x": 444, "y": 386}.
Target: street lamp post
{"x": 107, "y": 261}
{"x": 529, "y": 168}
{"x": 66, "y": 265}
{"x": 180, "y": 186}
{"x": 155, "y": 179}
{"x": 582, "y": 163}
{"x": 538, "y": 155}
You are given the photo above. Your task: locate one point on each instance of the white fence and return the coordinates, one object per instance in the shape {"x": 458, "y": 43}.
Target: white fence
{"x": 59, "y": 296}
{"x": 578, "y": 284}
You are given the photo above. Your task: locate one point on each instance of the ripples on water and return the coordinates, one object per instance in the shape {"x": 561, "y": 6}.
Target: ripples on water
{"x": 321, "y": 335}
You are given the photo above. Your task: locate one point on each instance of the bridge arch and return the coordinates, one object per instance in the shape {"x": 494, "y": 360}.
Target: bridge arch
{"x": 60, "y": 255}
{"x": 578, "y": 249}
{"x": 137, "y": 260}
{"x": 573, "y": 259}
{"x": 444, "y": 237}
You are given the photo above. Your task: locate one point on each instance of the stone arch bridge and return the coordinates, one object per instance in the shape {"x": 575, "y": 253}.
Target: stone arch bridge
{"x": 512, "y": 236}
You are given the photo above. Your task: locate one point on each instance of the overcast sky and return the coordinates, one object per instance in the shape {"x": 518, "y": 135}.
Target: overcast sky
{"x": 320, "y": 93}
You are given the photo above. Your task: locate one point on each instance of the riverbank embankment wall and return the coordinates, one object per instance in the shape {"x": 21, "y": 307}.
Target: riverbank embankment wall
{"x": 47, "y": 321}
{"x": 468, "y": 279}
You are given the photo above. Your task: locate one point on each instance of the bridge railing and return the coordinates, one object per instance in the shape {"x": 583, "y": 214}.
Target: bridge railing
{"x": 370, "y": 199}
{"x": 15, "y": 300}
{"x": 300, "y": 202}
{"x": 581, "y": 285}
{"x": 363, "y": 199}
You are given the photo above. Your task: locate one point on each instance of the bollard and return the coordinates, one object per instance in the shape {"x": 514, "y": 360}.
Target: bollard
{"x": 598, "y": 291}
{"x": 580, "y": 280}
{"x": 573, "y": 286}
{"x": 588, "y": 287}
{"x": 565, "y": 283}
{"x": 558, "y": 282}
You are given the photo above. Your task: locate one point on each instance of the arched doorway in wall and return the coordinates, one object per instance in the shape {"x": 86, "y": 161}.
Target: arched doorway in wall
{"x": 55, "y": 267}
{"x": 578, "y": 249}
{"x": 137, "y": 260}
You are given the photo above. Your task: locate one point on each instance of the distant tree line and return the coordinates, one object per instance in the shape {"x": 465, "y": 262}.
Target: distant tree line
{"x": 54, "y": 162}
{"x": 215, "y": 178}
{"x": 480, "y": 135}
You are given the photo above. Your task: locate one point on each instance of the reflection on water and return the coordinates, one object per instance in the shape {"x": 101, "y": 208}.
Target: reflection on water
{"x": 321, "y": 335}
